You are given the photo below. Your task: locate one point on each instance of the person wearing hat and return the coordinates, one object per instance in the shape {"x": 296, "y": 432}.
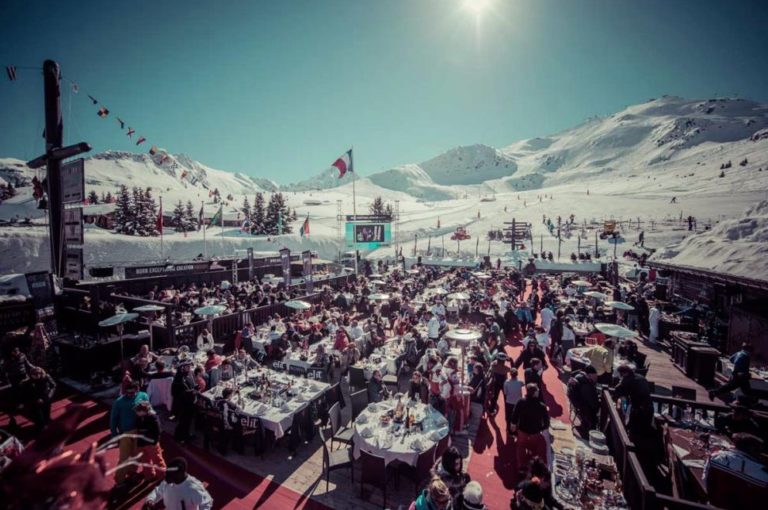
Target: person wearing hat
{"x": 471, "y": 498}
{"x": 529, "y": 496}
{"x": 148, "y": 426}
{"x": 179, "y": 490}
{"x": 435, "y": 497}
{"x": 532, "y": 351}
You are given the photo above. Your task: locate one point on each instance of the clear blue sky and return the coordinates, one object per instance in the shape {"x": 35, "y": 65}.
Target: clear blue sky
{"x": 279, "y": 89}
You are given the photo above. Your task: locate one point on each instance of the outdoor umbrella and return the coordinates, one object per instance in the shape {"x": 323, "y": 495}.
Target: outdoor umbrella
{"x": 210, "y": 310}
{"x": 378, "y": 282}
{"x": 298, "y": 305}
{"x": 615, "y": 330}
{"x": 619, "y": 305}
{"x": 439, "y": 290}
{"x": 375, "y": 275}
{"x": 378, "y": 297}
{"x": 481, "y": 275}
{"x": 596, "y": 295}
{"x": 460, "y": 296}
{"x": 149, "y": 308}
{"x": 581, "y": 283}
{"x": 413, "y": 271}
{"x": 118, "y": 320}
{"x": 465, "y": 335}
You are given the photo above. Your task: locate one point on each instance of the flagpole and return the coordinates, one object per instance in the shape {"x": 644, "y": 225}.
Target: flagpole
{"x": 203, "y": 226}
{"x": 221, "y": 221}
{"x": 354, "y": 203}
{"x": 162, "y": 253}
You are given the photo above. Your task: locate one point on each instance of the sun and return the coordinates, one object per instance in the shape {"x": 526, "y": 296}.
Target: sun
{"x": 477, "y": 7}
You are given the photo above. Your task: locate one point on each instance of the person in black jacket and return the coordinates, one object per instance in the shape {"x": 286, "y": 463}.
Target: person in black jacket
{"x": 582, "y": 393}
{"x": 532, "y": 374}
{"x": 636, "y": 390}
{"x": 148, "y": 426}
{"x": 530, "y": 419}
{"x": 38, "y": 392}
{"x": 184, "y": 392}
{"x": 532, "y": 351}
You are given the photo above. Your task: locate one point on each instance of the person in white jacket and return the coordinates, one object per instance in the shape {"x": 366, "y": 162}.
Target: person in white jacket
{"x": 654, "y": 315}
{"x": 179, "y": 491}
{"x": 547, "y": 316}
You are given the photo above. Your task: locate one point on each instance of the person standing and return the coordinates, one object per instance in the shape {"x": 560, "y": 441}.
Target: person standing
{"x": 513, "y": 393}
{"x": 184, "y": 391}
{"x": 635, "y": 389}
{"x": 38, "y": 391}
{"x": 122, "y": 420}
{"x": 654, "y": 316}
{"x": 17, "y": 368}
{"x": 148, "y": 426}
{"x": 740, "y": 374}
{"x": 530, "y": 419}
{"x": 179, "y": 491}
{"x": 582, "y": 393}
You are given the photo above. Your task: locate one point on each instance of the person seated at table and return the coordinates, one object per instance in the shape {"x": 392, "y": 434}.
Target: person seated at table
{"x": 532, "y": 351}
{"x": 160, "y": 371}
{"x": 737, "y": 478}
{"x": 738, "y": 420}
{"x": 315, "y": 335}
{"x": 418, "y": 389}
{"x": 321, "y": 358}
{"x": 205, "y": 341}
{"x": 213, "y": 360}
{"x": 601, "y": 358}
{"x": 230, "y": 419}
{"x": 356, "y": 331}
{"x": 273, "y": 335}
{"x": 450, "y": 469}
{"x": 243, "y": 361}
{"x": 378, "y": 336}
{"x": 341, "y": 342}
{"x": 582, "y": 392}
{"x": 226, "y": 369}
{"x": 436, "y": 496}
{"x": 144, "y": 358}
{"x": 376, "y": 388}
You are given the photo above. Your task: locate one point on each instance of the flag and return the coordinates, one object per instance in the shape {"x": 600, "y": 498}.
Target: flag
{"x": 344, "y": 163}
{"x": 93, "y": 99}
{"x": 122, "y": 124}
{"x": 217, "y": 218}
{"x": 141, "y": 140}
{"x": 200, "y": 218}
{"x": 11, "y": 70}
{"x": 130, "y": 132}
{"x": 304, "y": 230}
{"x": 153, "y": 150}
{"x": 103, "y": 112}
{"x": 160, "y": 217}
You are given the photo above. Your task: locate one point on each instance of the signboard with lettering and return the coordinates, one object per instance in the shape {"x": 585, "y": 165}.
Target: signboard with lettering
{"x": 73, "y": 182}
{"x": 307, "y": 269}
{"x": 73, "y": 265}
{"x": 285, "y": 260}
{"x": 73, "y": 226}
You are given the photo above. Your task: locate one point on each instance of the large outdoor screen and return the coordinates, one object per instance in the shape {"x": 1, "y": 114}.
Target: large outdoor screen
{"x": 369, "y": 236}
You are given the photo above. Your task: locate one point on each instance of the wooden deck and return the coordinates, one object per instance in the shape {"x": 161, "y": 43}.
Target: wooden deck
{"x": 664, "y": 374}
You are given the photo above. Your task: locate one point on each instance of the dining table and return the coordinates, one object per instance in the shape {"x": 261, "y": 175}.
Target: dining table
{"x": 692, "y": 449}
{"x": 376, "y": 431}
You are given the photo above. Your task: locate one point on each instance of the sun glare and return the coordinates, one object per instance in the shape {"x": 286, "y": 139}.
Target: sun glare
{"x": 477, "y": 7}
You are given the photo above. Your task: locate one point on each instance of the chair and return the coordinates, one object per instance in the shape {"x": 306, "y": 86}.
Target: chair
{"x": 359, "y": 401}
{"x": 441, "y": 446}
{"x": 251, "y": 427}
{"x": 393, "y": 379}
{"x": 356, "y": 377}
{"x": 335, "y": 460}
{"x": 421, "y": 471}
{"x": 374, "y": 472}
{"x": 297, "y": 370}
{"x": 684, "y": 392}
{"x": 341, "y": 432}
{"x": 317, "y": 374}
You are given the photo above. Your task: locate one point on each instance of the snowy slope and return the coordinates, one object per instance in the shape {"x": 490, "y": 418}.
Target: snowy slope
{"x": 737, "y": 246}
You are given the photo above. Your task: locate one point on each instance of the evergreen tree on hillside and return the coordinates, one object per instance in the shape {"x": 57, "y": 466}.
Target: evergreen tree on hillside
{"x": 108, "y": 198}
{"x": 246, "y": 209}
{"x": 190, "y": 217}
{"x": 93, "y": 197}
{"x": 124, "y": 212}
{"x": 178, "y": 221}
{"x": 258, "y": 215}
{"x": 377, "y": 206}
{"x": 147, "y": 215}
{"x": 271, "y": 216}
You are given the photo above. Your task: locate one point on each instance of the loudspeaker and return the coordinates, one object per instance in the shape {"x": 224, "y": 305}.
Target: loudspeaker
{"x": 101, "y": 272}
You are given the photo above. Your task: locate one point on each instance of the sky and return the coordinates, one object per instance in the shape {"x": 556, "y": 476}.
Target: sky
{"x": 279, "y": 89}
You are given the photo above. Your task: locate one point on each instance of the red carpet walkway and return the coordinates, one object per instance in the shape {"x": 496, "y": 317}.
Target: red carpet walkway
{"x": 493, "y": 462}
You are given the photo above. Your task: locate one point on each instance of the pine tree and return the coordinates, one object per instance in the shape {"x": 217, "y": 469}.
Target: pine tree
{"x": 124, "y": 212}
{"x": 189, "y": 217}
{"x": 272, "y": 216}
{"x": 258, "y": 215}
{"x": 246, "y": 209}
{"x": 178, "y": 221}
{"x": 108, "y": 198}
{"x": 93, "y": 197}
{"x": 149, "y": 216}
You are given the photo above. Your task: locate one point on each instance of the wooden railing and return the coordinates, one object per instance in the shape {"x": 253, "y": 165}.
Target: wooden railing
{"x": 616, "y": 434}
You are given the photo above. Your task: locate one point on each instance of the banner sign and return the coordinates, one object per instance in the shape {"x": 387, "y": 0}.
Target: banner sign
{"x": 16, "y": 315}
{"x": 368, "y": 236}
{"x": 73, "y": 265}
{"x": 285, "y": 259}
{"x": 73, "y": 182}
{"x": 73, "y": 226}
{"x": 307, "y": 259}
{"x": 380, "y": 218}
{"x": 203, "y": 267}
{"x": 41, "y": 289}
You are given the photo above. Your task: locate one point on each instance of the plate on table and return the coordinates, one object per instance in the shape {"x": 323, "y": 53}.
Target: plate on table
{"x": 385, "y": 443}
{"x": 417, "y": 445}
{"x": 362, "y": 419}
{"x": 372, "y": 407}
{"x": 366, "y": 432}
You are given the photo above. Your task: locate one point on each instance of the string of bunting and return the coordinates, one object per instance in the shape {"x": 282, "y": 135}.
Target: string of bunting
{"x": 103, "y": 112}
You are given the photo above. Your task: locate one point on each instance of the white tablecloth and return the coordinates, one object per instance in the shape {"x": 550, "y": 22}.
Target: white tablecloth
{"x": 391, "y": 441}
{"x": 159, "y": 391}
{"x": 278, "y": 420}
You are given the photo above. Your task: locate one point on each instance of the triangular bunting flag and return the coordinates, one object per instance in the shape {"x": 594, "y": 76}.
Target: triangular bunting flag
{"x": 103, "y": 112}
{"x": 93, "y": 99}
{"x": 130, "y": 132}
{"x": 153, "y": 150}
{"x": 141, "y": 140}
{"x": 122, "y": 124}
{"x": 11, "y": 70}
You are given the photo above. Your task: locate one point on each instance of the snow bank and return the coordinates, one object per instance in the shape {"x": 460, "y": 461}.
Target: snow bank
{"x": 738, "y": 246}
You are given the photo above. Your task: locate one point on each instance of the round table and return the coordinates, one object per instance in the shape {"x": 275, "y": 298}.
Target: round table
{"x": 392, "y": 441}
